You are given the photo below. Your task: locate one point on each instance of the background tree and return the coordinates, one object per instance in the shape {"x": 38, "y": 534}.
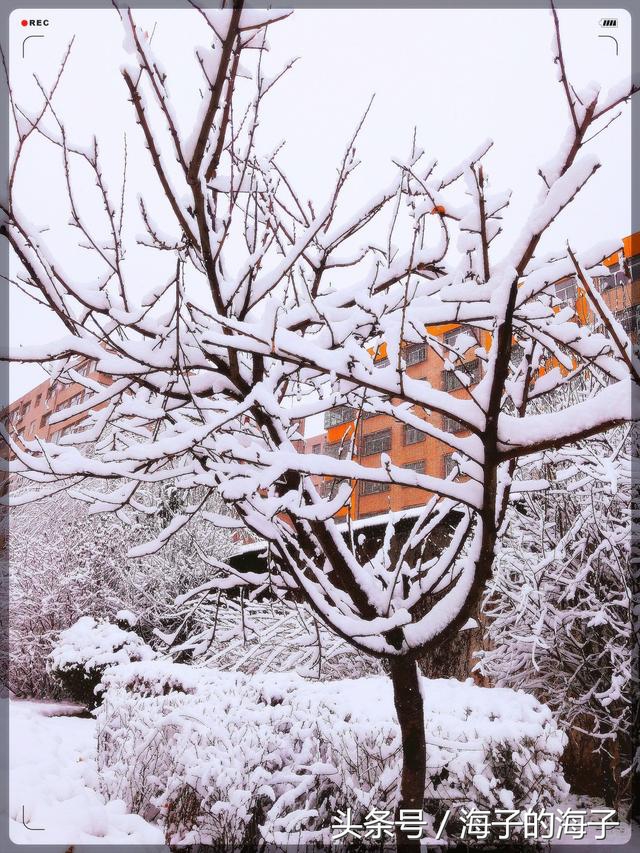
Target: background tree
{"x": 268, "y": 311}
{"x": 558, "y": 607}
{"x": 65, "y": 563}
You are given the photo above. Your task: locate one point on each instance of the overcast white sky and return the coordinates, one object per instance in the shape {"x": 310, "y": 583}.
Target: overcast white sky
{"x": 460, "y": 76}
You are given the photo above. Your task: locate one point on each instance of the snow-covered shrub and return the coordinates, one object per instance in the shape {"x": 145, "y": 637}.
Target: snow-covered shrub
{"x": 64, "y": 564}
{"x": 85, "y": 650}
{"x": 557, "y": 610}
{"x": 269, "y": 635}
{"x": 225, "y": 758}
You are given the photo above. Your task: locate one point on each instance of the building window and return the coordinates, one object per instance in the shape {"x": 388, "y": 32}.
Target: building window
{"x": 368, "y": 487}
{"x": 450, "y": 338}
{"x": 634, "y": 267}
{"x": 71, "y": 401}
{"x": 316, "y": 448}
{"x": 329, "y": 488}
{"x": 43, "y": 421}
{"x": 25, "y": 408}
{"x": 415, "y": 353}
{"x": 616, "y": 278}
{"x": 449, "y": 464}
{"x": 376, "y": 442}
{"x": 629, "y": 319}
{"x": 567, "y": 289}
{"x": 412, "y": 435}
{"x": 38, "y": 398}
{"x": 517, "y": 354}
{"x": 452, "y": 425}
{"x": 338, "y": 450}
{"x": 417, "y": 466}
{"x": 604, "y": 282}
{"x": 337, "y": 416}
{"x": 450, "y": 381}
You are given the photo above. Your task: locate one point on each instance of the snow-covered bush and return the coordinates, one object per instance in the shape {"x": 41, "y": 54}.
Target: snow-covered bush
{"x": 62, "y": 565}
{"x": 65, "y": 563}
{"x": 85, "y": 650}
{"x": 229, "y": 758}
{"x": 269, "y": 635}
{"x": 557, "y": 610}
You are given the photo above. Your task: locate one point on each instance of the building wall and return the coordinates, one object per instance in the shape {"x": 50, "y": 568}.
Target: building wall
{"x": 28, "y": 417}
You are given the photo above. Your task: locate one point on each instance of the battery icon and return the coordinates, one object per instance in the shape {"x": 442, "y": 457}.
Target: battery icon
{"x": 608, "y": 22}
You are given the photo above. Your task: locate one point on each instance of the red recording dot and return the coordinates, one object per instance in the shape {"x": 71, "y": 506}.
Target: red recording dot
{"x": 25, "y": 23}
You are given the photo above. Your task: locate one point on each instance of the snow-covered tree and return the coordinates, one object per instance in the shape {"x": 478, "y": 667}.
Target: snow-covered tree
{"x": 64, "y": 563}
{"x": 265, "y": 635}
{"x": 266, "y": 309}
{"x": 558, "y": 607}
{"x": 61, "y": 566}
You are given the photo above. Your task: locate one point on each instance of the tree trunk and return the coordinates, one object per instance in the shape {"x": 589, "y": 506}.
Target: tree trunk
{"x": 410, "y": 710}
{"x": 609, "y": 766}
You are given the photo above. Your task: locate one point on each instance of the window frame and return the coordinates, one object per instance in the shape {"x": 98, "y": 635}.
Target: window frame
{"x": 382, "y": 435}
{"x": 633, "y": 264}
{"x": 452, "y": 425}
{"x": 373, "y": 487}
{"x": 629, "y": 319}
{"x": 408, "y": 428}
{"x": 448, "y": 463}
{"x": 449, "y": 338}
{"x": 567, "y": 286}
{"x": 336, "y": 449}
{"x": 328, "y": 488}
{"x": 451, "y": 382}
{"x": 330, "y": 421}
{"x": 410, "y": 349}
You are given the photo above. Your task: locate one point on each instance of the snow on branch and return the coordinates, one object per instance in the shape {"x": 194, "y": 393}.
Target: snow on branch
{"x": 263, "y": 308}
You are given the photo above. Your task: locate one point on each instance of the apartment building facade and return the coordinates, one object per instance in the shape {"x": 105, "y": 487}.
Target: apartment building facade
{"x": 29, "y": 416}
{"x": 410, "y": 448}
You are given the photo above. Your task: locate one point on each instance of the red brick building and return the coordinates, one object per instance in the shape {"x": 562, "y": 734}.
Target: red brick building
{"x": 28, "y": 417}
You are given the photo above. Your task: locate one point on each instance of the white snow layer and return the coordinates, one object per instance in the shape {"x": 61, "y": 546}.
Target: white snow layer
{"x": 53, "y": 783}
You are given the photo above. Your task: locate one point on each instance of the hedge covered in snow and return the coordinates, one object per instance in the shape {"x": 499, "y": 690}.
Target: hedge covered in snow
{"x": 229, "y": 758}
{"x": 85, "y": 650}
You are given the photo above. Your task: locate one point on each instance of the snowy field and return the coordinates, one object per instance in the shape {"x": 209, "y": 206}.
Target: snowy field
{"x": 53, "y": 779}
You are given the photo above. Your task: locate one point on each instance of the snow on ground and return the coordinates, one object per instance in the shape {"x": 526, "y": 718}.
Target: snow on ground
{"x": 53, "y": 777}
{"x": 622, "y": 834}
